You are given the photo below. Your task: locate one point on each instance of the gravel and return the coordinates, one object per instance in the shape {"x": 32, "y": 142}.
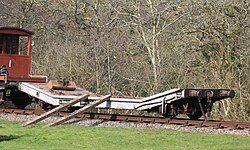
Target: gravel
{"x": 103, "y": 123}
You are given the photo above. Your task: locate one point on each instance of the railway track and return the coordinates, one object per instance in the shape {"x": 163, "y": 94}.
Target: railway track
{"x": 140, "y": 119}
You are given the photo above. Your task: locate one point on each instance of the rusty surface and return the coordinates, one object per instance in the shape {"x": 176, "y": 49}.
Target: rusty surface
{"x": 141, "y": 119}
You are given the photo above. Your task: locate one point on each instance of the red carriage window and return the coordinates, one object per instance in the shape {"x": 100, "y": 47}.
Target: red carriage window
{"x": 14, "y": 44}
{"x": 23, "y": 45}
{"x": 11, "y": 44}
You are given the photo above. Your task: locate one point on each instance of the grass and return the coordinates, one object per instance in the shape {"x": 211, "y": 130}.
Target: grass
{"x": 70, "y": 137}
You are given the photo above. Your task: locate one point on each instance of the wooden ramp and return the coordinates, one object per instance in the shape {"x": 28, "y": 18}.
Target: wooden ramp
{"x": 77, "y": 112}
{"x": 57, "y": 109}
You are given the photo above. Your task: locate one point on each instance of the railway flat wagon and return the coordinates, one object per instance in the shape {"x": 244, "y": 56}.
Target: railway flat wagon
{"x": 21, "y": 88}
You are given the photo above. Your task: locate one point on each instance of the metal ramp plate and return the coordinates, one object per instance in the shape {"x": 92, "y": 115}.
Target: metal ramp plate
{"x": 44, "y": 87}
{"x": 54, "y": 97}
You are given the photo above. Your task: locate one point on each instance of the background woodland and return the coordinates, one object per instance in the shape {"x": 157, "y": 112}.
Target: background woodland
{"x": 141, "y": 47}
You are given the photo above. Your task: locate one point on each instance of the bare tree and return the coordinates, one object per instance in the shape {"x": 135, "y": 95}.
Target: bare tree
{"x": 222, "y": 59}
{"x": 151, "y": 19}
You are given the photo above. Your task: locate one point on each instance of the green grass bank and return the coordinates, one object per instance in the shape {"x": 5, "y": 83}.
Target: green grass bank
{"x": 70, "y": 137}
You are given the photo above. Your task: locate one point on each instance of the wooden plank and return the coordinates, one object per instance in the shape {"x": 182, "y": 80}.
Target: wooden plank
{"x": 61, "y": 85}
{"x": 57, "y": 109}
{"x": 77, "y": 112}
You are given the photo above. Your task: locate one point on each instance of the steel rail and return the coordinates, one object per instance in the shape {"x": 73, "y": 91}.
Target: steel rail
{"x": 140, "y": 119}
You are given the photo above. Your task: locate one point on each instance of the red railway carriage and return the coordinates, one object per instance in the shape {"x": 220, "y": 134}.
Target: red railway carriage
{"x": 15, "y": 64}
{"x": 15, "y": 55}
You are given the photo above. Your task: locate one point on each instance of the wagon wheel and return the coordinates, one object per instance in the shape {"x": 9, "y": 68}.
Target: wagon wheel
{"x": 72, "y": 109}
{"x": 44, "y": 105}
{"x": 195, "y": 116}
{"x": 21, "y": 102}
{"x": 20, "y": 99}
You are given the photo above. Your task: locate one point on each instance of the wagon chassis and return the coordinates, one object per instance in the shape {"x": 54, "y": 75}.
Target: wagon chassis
{"x": 192, "y": 102}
